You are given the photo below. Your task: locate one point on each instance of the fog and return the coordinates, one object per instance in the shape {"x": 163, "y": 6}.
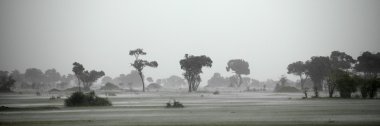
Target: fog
{"x": 266, "y": 33}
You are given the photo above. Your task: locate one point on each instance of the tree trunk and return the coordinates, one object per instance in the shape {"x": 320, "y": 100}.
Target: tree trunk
{"x": 142, "y": 80}
{"x": 78, "y": 84}
{"x": 316, "y": 88}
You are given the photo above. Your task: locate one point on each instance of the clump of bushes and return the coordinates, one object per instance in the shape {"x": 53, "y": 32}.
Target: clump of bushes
{"x": 86, "y": 99}
{"x": 176, "y": 104}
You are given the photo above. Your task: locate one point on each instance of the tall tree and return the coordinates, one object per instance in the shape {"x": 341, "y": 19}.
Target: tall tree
{"x": 299, "y": 68}
{"x": 193, "y": 67}
{"x": 239, "y": 67}
{"x": 318, "y": 69}
{"x": 139, "y": 64}
{"x": 369, "y": 64}
{"x": 340, "y": 62}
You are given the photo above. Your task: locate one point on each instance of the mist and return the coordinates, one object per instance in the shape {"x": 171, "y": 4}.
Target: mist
{"x": 99, "y": 34}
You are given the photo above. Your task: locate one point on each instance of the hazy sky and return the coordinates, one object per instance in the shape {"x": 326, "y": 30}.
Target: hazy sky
{"x": 99, "y": 34}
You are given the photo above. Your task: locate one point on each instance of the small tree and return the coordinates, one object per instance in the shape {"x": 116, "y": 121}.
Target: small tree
{"x": 346, "y": 85}
{"x": 139, "y": 64}
{"x": 193, "y": 67}
{"x": 239, "y": 67}
{"x": 87, "y": 78}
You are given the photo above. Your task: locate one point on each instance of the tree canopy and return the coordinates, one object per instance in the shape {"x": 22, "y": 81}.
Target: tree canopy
{"x": 193, "y": 67}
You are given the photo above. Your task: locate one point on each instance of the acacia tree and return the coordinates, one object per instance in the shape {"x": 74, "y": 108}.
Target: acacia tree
{"x": 87, "y": 78}
{"x": 318, "y": 68}
{"x": 239, "y": 67}
{"x": 299, "y": 68}
{"x": 139, "y": 64}
{"x": 193, "y": 67}
{"x": 340, "y": 62}
{"x": 369, "y": 64}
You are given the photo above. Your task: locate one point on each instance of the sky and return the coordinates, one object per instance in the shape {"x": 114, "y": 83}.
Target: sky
{"x": 269, "y": 34}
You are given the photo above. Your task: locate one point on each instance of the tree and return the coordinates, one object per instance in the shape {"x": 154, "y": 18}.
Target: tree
{"x": 239, "y": 67}
{"x": 106, "y": 80}
{"x": 193, "y": 67}
{"x": 52, "y": 77}
{"x": 218, "y": 80}
{"x": 6, "y": 82}
{"x": 340, "y": 62}
{"x": 369, "y": 64}
{"x": 78, "y": 71}
{"x": 346, "y": 85}
{"x": 299, "y": 68}
{"x": 87, "y": 78}
{"x": 283, "y": 80}
{"x": 34, "y": 76}
{"x": 318, "y": 68}
{"x": 139, "y": 64}
{"x": 173, "y": 82}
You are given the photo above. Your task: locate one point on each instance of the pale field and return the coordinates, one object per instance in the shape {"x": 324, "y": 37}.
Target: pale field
{"x": 227, "y": 108}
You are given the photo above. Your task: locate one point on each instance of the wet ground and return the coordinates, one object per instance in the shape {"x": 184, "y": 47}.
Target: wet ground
{"x": 200, "y": 109}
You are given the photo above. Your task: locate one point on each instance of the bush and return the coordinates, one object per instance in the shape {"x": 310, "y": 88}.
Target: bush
{"x": 88, "y": 99}
{"x": 176, "y": 104}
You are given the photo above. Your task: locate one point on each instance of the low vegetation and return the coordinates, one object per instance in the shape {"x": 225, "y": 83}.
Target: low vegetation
{"x": 86, "y": 99}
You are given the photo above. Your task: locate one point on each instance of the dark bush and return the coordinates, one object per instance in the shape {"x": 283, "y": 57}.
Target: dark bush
{"x": 88, "y": 99}
{"x": 176, "y": 104}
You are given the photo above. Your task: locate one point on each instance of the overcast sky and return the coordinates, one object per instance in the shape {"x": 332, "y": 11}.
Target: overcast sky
{"x": 99, "y": 34}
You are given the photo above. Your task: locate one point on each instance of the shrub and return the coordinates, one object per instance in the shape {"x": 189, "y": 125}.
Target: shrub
{"x": 88, "y": 99}
{"x": 176, "y": 104}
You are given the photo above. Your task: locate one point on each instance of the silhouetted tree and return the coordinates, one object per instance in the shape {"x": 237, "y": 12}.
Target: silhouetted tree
{"x": 239, "y": 67}
{"x": 299, "y": 68}
{"x": 339, "y": 62}
{"x": 89, "y": 77}
{"x": 139, "y": 64}
{"x": 318, "y": 69}
{"x": 369, "y": 64}
{"x": 193, "y": 67}
{"x": 345, "y": 84}
{"x": 78, "y": 71}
